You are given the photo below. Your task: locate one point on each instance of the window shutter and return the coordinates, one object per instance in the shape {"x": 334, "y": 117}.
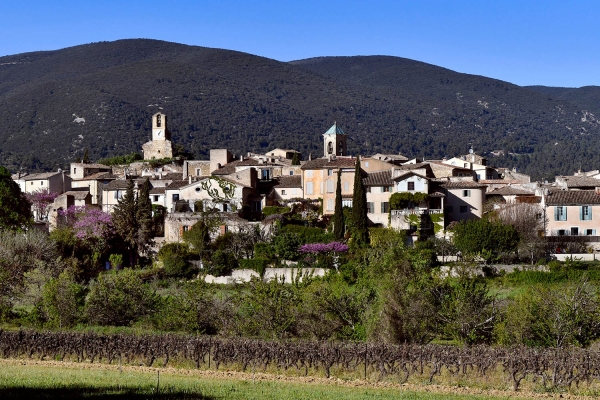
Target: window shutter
{"x": 564, "y": 214}
{"x": 581, "y": 213}
{"x": 556, "y": 214}
{"x": 589, "y": 213}
{"x": 593, "y": 232}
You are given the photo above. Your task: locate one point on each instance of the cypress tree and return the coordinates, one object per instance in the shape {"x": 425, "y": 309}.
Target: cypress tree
{"x": 338, "y": 214}
{"x": 359, "y": 208}
{"x": 86, "y": 157}
{"x": 144, "y": 216}
{"x": 296, "y": 159}
{"x": 125, "y": 222}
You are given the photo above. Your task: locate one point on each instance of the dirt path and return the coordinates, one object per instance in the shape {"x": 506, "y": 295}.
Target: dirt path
{"x": 248, "y": 376}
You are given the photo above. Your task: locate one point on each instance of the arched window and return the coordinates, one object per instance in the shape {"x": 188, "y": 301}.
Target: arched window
{"x": 158, "y": 122}
{"x": 329, "y": 148}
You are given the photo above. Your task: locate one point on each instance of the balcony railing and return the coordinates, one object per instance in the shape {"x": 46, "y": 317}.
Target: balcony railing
{"x": 416, "y": 211}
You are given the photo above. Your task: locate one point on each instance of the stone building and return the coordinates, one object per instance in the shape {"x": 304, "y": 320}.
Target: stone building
{"x": 160, "y": 146}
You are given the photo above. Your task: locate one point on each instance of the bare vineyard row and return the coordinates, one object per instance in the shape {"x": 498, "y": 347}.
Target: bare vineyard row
{"x": 555, "y": 368}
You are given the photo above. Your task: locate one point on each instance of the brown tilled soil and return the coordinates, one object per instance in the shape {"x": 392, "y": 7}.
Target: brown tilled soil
{"x": 264, "y": 377}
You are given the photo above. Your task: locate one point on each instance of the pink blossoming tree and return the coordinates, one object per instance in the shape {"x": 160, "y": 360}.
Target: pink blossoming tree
{"x": 326, "y": 253}
{"x": 40, "y": 200}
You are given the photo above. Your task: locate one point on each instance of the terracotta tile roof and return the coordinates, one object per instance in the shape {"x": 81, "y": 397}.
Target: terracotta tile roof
{"x": 97, "y": 166}
{"x": 500, "y": 181}
{"x": 462, "y": 185}
{"x": 510, "y": 191}
{"x": 172, "y": 176}
{"x": 230, "y": 167}
{"x": 441, "y": 164}
{"x": 158, "y": 190}
{"x": 338, "y": 162}
{"x": 414, "y": 166}
{"x": 572, "y": 197}
{"x": 290, "y": 181}
{"x": 382, "y": 178}
{"x": 119, "y": 184}
{"x": 406, "y": 174}
{"x": 177, "y": 184}
{"x": 43, "y": 175}
{"x": 579, "y": 181}
{"x": 98, "y": 176}
{"x": 77, "y": 194}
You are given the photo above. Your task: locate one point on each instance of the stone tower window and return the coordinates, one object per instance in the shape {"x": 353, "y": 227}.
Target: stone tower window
{"x": 329, "y": 148}
{"x": 158, "y": 122}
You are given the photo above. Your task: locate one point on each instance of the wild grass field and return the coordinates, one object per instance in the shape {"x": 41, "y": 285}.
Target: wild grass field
{"x": 20, "y": 379}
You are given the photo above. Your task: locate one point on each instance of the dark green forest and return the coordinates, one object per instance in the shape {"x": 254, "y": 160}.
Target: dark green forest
{"x": 100, "y": 96}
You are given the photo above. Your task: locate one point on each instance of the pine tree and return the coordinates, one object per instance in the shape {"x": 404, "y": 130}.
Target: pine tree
{"x": 338, "y": 214}
{"x": 125, "y": 222}
{"x": 144, "y": 217}
{"x": 360, "y": 235}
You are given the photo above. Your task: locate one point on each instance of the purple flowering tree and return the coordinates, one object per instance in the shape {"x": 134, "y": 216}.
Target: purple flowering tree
{"x": 91, "y": 225}
{"x": 325, "y": 252}
{"x": 40, "y": 200}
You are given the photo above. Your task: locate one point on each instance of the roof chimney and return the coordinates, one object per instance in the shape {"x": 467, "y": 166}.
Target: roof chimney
{"x": 190, "y": 179}
{"x": 241, "y": 157}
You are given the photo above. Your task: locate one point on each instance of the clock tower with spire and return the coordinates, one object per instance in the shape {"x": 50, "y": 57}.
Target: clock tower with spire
{"x": 160, "y": 146}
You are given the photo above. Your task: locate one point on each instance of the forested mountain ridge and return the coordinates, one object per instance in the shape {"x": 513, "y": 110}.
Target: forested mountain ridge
{"x": 100, "y": 96}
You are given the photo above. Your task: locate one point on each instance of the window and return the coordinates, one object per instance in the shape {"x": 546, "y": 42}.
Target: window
{"x": 330, "y": 186}
{"x": 74, "y": 171}
{"x": 585, "y": 213}
{"x": 32, "y": 182}
{"x": 155, "y": 198}
{"x": 464, "y": 209}
{"x": 330, "y": 204}
{"x": 368, "y": 189}
{"x": 385, "y": 189}
{"x": 561, "y": 232}
{"x": 366, "y": 164}
{"x": 329, "y": 172}
{"x": 309, "y": 188}
{"x": 478, "y": 177}
{"x": 466, "y": 165}
{"x": 385, "y": 207}
{"x": 291, "y": 172}
{"x": 226, "y": 207}
{"x": 256, "y": 206}
{"x": 175, "y": 197}
{"x": 266, "y": 174}
{"x": 590, "y": 232}
{"x": 309, "y": 173}
{"x": 346, "y": 187}
{"x": 283, "y": 192}
{"x": 347, "y": 203}
{"x": 560, "y": 213}
{"x": 158, "y": 121}
{"x": 329, "y": 148}
{"x": 118, "y": 194}
{"x": 574, "y": 231}
{"x": 186, "y": 228}
{"x": 370, "y": 207}
{"x": 411, "y": 185}
{"x": 41, "y": 183}
{"x": 467, "y": 193}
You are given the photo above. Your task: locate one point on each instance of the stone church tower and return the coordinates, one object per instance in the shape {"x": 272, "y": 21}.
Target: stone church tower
{"x": 160, "y": 146}
{"x": 334, "y": 141}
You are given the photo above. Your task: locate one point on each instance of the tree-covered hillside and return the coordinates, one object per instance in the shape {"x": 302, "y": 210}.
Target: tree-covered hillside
{"x": 101, "y": 96}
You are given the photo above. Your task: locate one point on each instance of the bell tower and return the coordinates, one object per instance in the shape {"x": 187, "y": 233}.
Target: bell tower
{"x": 334, "y": 141}
{"x": 160, "y": 146}
{"x": 159, "y": 127}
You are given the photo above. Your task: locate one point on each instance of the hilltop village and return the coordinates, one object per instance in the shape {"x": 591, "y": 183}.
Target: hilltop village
{"x": 430, "y": 195}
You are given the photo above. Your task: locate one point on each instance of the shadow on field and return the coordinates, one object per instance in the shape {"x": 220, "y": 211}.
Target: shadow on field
{"x": 95, "y": 393}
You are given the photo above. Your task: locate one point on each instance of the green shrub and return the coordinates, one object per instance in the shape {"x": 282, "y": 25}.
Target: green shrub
{"x": 256, "y": 264}
{"x": 121, "y": 160}
{"x": 176, "y": 265}
{"x": 119, "y": 298}
{"x": 264, "y": 250}
{"x": 286, "y": 245}
{"x": 169, "y": 249}
{"x": 62, "y": 301}
{"x": 223, "y": 262}
{"x": 271, "y": 210}
{"x": 308, "y": 234}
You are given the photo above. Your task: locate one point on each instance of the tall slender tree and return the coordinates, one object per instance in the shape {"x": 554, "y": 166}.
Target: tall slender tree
{"x": 338, "y": 214}
{"x": 15, "y": 208}
{"x": 144, "y": 217}
{"x": 126, "y": 223}
{"x": 360, "y": 234}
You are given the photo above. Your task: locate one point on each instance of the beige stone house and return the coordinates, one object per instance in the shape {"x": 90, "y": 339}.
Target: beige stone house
{"x": 57, "y": 182}
{"x": 572, "y": 212}
{"x": 464, "y": 200}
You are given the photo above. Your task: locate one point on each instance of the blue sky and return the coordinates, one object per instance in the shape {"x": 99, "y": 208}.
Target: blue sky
{"x": 549, "y": 42}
